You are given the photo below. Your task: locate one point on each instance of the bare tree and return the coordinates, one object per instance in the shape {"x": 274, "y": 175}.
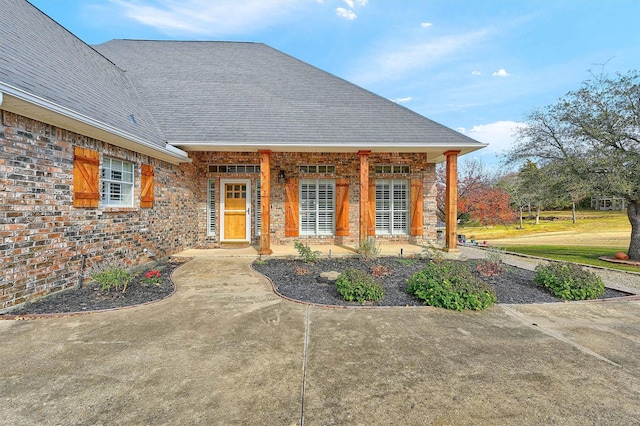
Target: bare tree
{"x": 593, "y": 135}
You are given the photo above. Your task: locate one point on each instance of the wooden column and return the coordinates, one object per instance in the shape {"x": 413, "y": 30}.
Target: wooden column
{"x": 265, "y": 202}
{"x": 364, "y": 194}
{"x": 451, "y": 202}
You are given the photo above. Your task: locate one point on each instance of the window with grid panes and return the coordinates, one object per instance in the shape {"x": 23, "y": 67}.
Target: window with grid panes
{"x": 211, "y": 208}
{"x": 317, "y": 206}
{"x": 258, "y": 208}
{"x": 392, "y": 206}
{"x": 117, "y": 183}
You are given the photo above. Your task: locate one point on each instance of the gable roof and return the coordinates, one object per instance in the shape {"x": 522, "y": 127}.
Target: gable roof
{"x": 249, "y": 96}
{"x": 49, "y": 74}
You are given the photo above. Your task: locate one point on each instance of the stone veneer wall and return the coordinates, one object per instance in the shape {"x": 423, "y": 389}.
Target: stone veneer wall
{"x": 347, "y": 166}
{"x": 43, "y": 237}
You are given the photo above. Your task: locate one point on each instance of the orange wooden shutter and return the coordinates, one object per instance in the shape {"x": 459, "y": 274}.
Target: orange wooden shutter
{"x": 291, "y": 207}
{"x": 416, "y": 207}
{"x": 342, "y": 207}
{"x": 146, "y": 195}
{"x": 86, "y": 169}
{"x": 371, "y": 225}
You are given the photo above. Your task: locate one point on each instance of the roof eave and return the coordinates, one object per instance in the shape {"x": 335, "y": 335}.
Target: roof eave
{"x": 435, "y": 152}
{"x": 23, "y": 103}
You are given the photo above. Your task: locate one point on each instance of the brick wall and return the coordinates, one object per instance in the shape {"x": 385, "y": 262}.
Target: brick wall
{"x": 347, "y": 166}
{"x": 43, "y": 237}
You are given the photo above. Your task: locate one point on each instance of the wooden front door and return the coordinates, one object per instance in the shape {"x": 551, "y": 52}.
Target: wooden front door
{"x": 236, "y": 211}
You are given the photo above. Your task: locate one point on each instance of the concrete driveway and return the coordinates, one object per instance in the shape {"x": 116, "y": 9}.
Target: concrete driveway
{"x": 225, "y": 350}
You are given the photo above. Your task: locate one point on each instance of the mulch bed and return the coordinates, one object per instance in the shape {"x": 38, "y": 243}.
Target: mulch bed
{"x": 299, "y": 281}
{"x": 91, "y": 298}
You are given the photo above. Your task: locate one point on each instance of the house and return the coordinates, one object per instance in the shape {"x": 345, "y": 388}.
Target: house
{"x": 108, "y": 150}
{"x": 600, "y": 202}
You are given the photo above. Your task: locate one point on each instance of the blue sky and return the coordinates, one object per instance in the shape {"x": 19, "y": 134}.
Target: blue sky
{"x": 477, "y": 66}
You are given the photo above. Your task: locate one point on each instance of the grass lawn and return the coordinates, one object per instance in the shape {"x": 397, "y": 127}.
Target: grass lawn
{"x": 596, "y": 234}
{"x": 588, "y": 221}
{"x": 577, "y": 254}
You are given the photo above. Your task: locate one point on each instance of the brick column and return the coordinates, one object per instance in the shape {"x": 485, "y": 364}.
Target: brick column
{"x": 265, "y": 202}
{"x": 451, "y": 202}
{"x": 364, "y": 194}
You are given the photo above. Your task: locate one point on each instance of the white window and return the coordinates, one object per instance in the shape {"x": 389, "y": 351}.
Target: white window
{"x": 392, "y": 168}
{"x": 117, "y": 183}
{"x": 258, "y": 208}
{"x": 317, "y": 206}
{"x": 211, "y": 208}
{"x": 317, "y": 168}
{"x": 392, "y": 207}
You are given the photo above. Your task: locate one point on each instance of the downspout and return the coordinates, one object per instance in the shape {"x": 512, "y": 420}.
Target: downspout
{"x": 1, "y": 98}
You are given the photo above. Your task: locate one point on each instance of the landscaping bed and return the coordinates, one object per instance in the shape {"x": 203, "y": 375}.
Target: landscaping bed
{"x": 300, "y": 281}
{"x": 91, "y": 297}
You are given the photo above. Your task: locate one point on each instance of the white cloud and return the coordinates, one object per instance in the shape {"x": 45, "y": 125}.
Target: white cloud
{"x": 501, "y": 73}
{"x": 402, "y": 100}
{"x": 346, "y": 13}
{"x": 474, "y": 72}
{"x": 426, "y": 24}
{"x": 500, "y": 135}
{"x": 203, "y": 17}
{"x": 396, "y": 61}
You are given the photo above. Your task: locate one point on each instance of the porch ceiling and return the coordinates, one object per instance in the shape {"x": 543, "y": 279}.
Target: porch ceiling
{"x": 435, "y": 153}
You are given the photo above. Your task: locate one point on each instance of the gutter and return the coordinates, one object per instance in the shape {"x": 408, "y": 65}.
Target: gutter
{"x": 175, "y": 155}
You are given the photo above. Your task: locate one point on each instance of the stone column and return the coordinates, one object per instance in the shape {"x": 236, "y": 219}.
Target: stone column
{"x": 265, "y": 202}
{"x": 451, "y": 202}
{"x": 364, "y": 194}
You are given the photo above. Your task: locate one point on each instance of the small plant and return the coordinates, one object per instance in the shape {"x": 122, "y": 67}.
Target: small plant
{"x": 432, "y": 252}
{"x": 451, "y": 285}
{"x": 356, "y": 285}
{"x": 380, "y": 271}
{"x": 152, "y": 277}
{"x": 111, "y": 276}
{"x": 493, "y": 264}
{"x": 368, "y": 249}
{"x": 569, "y": 281}
{"x": 306, "y": 254}
{"x": 406, "y": 262}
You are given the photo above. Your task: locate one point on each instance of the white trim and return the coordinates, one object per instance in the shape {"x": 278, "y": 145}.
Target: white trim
{"x": 169, "y": 153}
{"x": 222, "y": 192}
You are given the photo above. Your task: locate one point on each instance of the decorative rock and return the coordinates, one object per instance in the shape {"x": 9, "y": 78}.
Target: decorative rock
{"x": 622, "y": 256}
{"x": 328, "y": 277}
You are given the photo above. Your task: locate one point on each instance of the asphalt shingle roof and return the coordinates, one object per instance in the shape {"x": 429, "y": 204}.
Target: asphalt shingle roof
{"x": 203, "y": 95}
{"x": 250, "y": 93}
{"x": 41, "y": 58}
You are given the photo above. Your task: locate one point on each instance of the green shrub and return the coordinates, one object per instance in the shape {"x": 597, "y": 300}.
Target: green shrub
{"x": 451, "y": 285}
{"x": 111, "y": 276}
{"x": 306, "y": 254}
{"x": 569, "y": 281}
{"x": 356, "y": 285}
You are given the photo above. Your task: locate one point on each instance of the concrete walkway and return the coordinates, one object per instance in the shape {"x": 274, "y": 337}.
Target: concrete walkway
{"x": 225, "y": 350}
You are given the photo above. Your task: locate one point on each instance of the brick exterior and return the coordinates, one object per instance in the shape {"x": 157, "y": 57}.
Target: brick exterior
{"x": 43, "y": 237}
{"x": 347, "y": 166}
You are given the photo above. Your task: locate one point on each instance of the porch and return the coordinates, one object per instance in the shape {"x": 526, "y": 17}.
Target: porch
{"x": 326, "y": 250}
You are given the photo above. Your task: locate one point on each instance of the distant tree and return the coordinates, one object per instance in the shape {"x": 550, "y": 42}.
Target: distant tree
{"x": 513, "y": 186}
{"x": 592, "y": 134}
{"x": 564, "y": 187}
{"x": 478, "y": 197}
{"x": 534, "y": 187}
